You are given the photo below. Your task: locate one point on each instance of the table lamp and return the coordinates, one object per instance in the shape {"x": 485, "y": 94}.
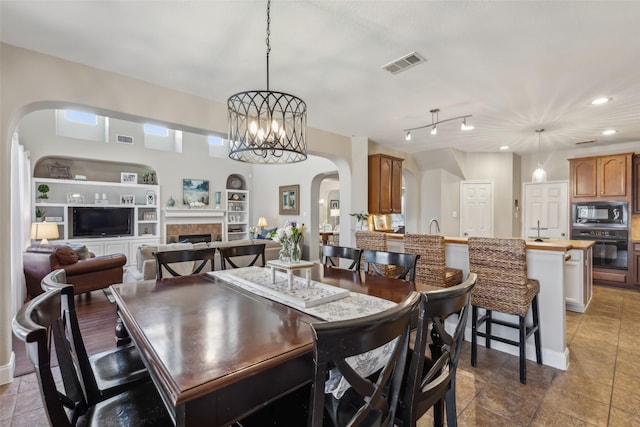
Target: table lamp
{"x": 44, "y": 231}
{"x": 335, "y": 213}
{"x": 262, "y": 223}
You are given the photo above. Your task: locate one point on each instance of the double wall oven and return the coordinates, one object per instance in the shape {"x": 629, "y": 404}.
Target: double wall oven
{"x": 607, "y": 223}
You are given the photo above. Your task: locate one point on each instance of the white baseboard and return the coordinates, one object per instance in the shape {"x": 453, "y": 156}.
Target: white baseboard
{"x": 6, "y": 371}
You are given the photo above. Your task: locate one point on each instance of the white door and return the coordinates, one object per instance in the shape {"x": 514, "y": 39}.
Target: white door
{"x": 547, "y": 202}
{"x": 476, "y": 206}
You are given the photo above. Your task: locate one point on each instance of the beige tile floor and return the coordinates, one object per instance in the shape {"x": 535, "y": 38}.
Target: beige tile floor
{"x": 601, "y": 387}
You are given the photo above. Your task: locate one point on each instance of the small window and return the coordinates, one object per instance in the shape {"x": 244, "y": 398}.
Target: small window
{"x": 156, "y": 130}
{"x": 215, "y": 140}
{"x": 81, "y": 117}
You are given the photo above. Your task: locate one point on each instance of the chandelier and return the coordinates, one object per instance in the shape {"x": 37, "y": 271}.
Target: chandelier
{"x": 435, "y": 122}
{"x": 267, "y": 127}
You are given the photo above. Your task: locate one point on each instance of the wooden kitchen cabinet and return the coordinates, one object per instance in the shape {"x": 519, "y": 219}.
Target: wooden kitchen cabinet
{"x": 636, "y": 184}
{"x": 385, "y": 184}
{"x": 601, "y": 177}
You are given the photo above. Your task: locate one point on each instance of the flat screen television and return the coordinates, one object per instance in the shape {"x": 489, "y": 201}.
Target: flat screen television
{"x": 102, "y": 222}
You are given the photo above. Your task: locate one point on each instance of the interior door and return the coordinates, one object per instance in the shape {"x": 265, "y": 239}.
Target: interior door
{"x": 547, "y": 202}
{"x": 476, "y": 206}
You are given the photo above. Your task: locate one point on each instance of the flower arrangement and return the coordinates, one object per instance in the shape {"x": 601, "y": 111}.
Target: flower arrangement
{"x": 293, "y": 232}
{"x": 289, "y": 237}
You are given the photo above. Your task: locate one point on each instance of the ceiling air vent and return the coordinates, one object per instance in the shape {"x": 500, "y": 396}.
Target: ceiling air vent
{"x": 124, "y": 139}
{"x": 407, "y": 61}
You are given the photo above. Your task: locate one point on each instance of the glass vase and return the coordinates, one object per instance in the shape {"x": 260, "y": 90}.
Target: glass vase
{"x": 284, "y": 255}
{"x": 296, "y": 252}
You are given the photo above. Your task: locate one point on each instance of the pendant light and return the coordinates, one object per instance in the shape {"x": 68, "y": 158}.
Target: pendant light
{"x": 267, "y": 127}
{"x": 539, "y": 175}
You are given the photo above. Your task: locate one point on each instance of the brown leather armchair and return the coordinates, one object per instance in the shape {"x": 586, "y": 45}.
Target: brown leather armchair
{"x": 85, "y": 275}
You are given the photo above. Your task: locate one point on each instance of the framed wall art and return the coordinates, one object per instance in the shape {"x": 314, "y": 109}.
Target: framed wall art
{"x": 128, "y": 178}
{"x": 289, "y": 196}
{"x": 59, "y": 171}
{"x": 334, "y": 204}
{"x": 195, "y": 190}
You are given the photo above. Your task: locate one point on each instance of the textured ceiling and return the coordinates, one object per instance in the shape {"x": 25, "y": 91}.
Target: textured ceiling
{"x": 514, "y": 65}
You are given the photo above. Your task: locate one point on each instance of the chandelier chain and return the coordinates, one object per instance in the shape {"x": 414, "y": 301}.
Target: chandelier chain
{"x": 268, "y": 36}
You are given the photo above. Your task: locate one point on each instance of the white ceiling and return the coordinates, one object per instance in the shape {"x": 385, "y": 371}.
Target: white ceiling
{"x": 514, "y": 65}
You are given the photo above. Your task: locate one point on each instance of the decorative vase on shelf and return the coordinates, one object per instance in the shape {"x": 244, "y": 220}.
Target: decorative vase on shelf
{"x": 171, "y": 203}
{"x": 284, "y": 255}
{"x": 296, "y": 251}
{"x": 218, "y": 196}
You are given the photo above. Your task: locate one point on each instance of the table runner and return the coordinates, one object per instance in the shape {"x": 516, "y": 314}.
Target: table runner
{"x": 353, "y": 306}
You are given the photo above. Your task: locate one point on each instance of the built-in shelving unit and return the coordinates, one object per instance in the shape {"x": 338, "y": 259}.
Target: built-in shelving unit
{"x": 65, "y": 195}
{"x": 237, "y": 225}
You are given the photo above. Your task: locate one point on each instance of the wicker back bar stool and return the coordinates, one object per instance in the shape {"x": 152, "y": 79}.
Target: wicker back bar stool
{"x": 376, "y": 241}
{"x": 431, "y": 266}
{"x": 503, "y": 286}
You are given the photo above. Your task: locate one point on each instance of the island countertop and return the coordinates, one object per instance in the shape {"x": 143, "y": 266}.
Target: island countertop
{"x": 546, "y": 244}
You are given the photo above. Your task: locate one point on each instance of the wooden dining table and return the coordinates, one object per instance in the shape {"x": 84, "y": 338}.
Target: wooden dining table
{"x": 216, "y": 352}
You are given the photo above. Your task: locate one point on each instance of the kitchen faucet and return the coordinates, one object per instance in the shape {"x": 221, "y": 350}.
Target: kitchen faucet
{"x": 437, "y": 225}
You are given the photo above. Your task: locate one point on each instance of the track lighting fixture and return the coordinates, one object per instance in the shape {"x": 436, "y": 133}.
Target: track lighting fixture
{"x": 435, "y": 122}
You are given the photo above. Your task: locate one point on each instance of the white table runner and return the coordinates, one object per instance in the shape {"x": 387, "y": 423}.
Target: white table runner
{"x": 258, "y": 280}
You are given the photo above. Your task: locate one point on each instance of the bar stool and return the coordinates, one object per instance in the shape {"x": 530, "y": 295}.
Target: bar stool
{"x": 503, "y": 286}
{"x": 376, "y": 242}
{"x": 431, "y": 266}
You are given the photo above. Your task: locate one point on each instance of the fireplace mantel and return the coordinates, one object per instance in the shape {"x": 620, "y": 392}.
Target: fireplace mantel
{"x": 179, "y": 213}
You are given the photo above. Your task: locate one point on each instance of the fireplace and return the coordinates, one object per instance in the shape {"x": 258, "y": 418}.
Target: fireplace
{"x": 194, "y": 238}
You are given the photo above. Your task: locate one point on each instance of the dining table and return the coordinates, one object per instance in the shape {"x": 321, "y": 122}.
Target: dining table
{"x": 217, "y": 351}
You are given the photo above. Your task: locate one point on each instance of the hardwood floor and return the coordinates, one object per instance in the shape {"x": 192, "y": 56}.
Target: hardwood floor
{"x": 599, "y": 389}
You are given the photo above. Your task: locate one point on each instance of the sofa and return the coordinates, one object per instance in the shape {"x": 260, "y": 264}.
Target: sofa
{"x": 145, "y": 268}
{"x": 84, "y": 270}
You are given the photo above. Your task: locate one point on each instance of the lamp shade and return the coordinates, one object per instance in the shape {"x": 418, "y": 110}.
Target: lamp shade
{"x": 262, "y": 222}
{"x": 44, "y": 231}
{"x": 334, "y": 212}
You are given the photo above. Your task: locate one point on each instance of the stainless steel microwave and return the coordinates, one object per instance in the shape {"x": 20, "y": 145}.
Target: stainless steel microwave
{"x": 600, "y": 214}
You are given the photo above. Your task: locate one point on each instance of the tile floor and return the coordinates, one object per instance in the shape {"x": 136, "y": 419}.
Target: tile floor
{"x": 601, "y": 387}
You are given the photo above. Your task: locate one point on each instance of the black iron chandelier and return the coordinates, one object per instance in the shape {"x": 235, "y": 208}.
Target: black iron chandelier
{"x": 267, "y": 127}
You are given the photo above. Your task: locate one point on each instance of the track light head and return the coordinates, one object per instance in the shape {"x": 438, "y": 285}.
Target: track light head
{"x": 407, "y": 136}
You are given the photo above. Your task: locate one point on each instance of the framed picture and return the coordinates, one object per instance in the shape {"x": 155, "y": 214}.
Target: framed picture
{"x": 59, "y": 171}
{"x": 127, "y": 199}
{"x": 380, "y": 222}
{"x": 129, "y": 177}
{"x": 150, "y": 197}
{"x": 334, "y": 204}
{"x": 195, "y": 190}
{"x": 289, "y": 200}
{"x": 75, "y": 198}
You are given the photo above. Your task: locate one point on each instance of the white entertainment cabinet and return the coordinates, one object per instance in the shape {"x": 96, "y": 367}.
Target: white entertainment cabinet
{"x": 66, "y": 194}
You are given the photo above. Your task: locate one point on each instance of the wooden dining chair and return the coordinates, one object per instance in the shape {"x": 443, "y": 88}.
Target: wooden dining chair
{"x": 103, "y": 374}
{"x": 406, "y": 263}
{"x": 35, "y": 324}
{"x": 352, "y": 254}
{"x": 164, "y": 260}
{"x": 431, "y": 378}
{"x": 229, "y": 252}
{"x": 371, "y": 400}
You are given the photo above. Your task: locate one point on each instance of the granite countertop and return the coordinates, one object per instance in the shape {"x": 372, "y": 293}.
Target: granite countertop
{"x": 546, "y": 244}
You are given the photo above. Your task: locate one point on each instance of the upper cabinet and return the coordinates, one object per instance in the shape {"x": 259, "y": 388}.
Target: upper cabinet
{"x": 385, "y": 184}
{"x": 602, "y": 177}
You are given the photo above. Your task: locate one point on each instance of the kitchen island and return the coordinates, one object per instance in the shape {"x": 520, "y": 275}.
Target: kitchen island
{"x": 548, "y": 262}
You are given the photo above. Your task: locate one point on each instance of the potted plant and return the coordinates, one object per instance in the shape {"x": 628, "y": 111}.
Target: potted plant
{"x": 40, "y": 215}
{"x": 362, "y": 220}
{"x": 43, "y": 189}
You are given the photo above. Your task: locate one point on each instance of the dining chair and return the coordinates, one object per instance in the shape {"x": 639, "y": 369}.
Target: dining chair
{"x": 352, "y": 254}
{"x": 339, "y": 349}
{"x": 164, "y": 260}
{"x": 103, "y": 374}
{"x": 405, "y": 262}
{"x": 228, "y": 253}
{"x": 35, "y": 324}
{"x": 503, "y": 286}
{"x": 431, "y": 379}
{"x": 431, "y": 268}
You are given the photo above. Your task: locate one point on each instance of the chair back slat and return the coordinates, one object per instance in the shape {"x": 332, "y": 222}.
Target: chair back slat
{"x": 404, "y": 262}
{"x": 330, "y": 252}
{"x": 227, "y": 254}
{"x": 164, "y": 260}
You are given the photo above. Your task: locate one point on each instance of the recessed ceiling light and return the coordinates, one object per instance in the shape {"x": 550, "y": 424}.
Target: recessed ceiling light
{"x": 609, "y": 132}
{"x": 504, "y": 147}
{"x": 601, "y": 100}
